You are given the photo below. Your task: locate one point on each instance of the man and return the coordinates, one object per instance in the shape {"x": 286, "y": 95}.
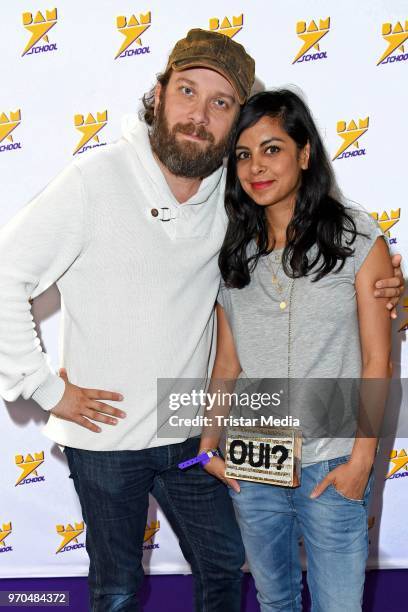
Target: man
{"x": 131, "y": 235}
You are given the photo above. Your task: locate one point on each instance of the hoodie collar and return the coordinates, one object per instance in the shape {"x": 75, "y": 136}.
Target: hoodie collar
{"x": 136, "y": 132}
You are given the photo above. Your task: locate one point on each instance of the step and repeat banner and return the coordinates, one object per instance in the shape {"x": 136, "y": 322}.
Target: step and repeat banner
{"x": 70, "y": 71}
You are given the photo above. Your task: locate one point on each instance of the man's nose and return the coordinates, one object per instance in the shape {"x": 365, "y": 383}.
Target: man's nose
{"x": 199, "y": 112}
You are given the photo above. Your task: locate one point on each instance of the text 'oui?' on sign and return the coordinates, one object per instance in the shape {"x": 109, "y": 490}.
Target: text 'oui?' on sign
{"x": 269, "y": 456}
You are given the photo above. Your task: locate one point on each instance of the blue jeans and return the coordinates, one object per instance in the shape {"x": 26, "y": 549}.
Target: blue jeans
{"x": 334, "y": 530}
{"x": 113, "y": 489}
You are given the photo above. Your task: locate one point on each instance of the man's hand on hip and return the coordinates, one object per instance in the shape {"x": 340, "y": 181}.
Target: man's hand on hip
{"x": 82, "y": 406}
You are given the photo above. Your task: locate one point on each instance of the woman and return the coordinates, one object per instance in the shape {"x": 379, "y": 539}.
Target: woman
{"x": 298, "y": 267}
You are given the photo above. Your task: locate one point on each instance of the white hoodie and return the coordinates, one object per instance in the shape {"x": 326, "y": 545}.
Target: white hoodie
{"x": 137, "y": 292}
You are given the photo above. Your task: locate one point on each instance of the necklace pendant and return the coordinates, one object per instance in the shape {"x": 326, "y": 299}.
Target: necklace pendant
{"x": 282, "y": 305}
{"x": 274, "y": 279}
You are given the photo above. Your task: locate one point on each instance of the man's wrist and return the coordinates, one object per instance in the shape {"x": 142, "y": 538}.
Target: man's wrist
{"x": 206, "y": 449}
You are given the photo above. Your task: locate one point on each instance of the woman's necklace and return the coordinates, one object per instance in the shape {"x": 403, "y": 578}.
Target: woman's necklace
{"x": 277, "y": 284}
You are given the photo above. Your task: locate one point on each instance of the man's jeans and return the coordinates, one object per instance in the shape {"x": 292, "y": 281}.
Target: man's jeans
{"x": 334, "y": 530}
{"x": 113, "y": 488}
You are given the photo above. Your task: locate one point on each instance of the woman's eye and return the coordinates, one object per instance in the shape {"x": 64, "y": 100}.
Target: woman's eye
{"x": 220, "y": 103}
{"x": 272, "y": 149}
{"x": 186, "y": 90}
{"x": 241, "y": 155}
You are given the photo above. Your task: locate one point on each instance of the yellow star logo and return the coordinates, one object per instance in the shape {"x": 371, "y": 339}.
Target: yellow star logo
{"x": 69, "y": 534}
{"x": 404, "y": 326}
{"x": 395, "y": 38}
{"x": 385, "y": 222}
{"x": 151, "y": 530}
{"x": 4, "y": 533}
{"x": 89, "y": 127}
{"x": 29, "y": 465}
{"x": 311, "y": 35}
{"x": 8, "y": 125}
{"x": 350, "y": 134}
{"x": 227, "y": 28}
{"x": 132, "y": 30}
{"x": 399, "y": 460}
{"x": 38, "y": 26}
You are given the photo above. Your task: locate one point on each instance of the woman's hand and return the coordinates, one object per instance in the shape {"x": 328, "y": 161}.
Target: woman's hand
{"x": 350, "y": 479}
{"x": 216, "y": 467}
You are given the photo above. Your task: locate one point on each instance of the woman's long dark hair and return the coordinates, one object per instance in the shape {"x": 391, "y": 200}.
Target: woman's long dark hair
{"x": 319, "y": 217}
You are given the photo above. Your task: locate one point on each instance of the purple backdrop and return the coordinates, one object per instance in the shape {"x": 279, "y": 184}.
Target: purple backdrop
{"x": 386, "y": 591}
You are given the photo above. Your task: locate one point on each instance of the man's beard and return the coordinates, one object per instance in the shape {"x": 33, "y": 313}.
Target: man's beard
{"x": 188, "y": 159}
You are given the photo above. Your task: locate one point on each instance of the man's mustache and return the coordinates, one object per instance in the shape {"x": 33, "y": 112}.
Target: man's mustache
{"x": 193, "y": 130}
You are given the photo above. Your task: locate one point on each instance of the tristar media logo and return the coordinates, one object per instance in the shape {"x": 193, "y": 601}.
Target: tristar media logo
{"x": 387, "y": 221}
{"x": 149, "y": 534}
{"x": 404, "y": 326}
{"x": 4, "y": 533}
{"x": 132, "y": 29}
{"x": 90, "y": 128}
{"x": 7, "y": 125}
{"x": 395, "y": 36}
{"x": 29, "y": 466}
{"x": 70, "y": 534}
{"x": 311, "y": 35}
{"x": 38, "y": 27}
{"x": 399, "y": 467}
{"x": 350, "y": 135}
{"x": 229, "y": 27}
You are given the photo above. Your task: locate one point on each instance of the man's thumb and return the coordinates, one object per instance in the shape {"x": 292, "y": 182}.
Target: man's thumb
{"x": 320, "y": 487}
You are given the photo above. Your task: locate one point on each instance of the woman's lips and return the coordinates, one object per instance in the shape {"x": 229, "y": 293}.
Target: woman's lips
{"x": 261, "y": 185}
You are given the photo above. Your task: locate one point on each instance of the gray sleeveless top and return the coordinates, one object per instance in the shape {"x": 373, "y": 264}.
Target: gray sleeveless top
{"x": 315, "y": 337}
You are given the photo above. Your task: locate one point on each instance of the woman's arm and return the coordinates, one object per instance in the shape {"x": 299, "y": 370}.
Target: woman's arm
{"x": 375, "y": 338}
{"x": 225, "y": 372}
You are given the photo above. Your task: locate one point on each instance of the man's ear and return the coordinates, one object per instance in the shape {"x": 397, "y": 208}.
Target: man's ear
{"x": 304, "y": 157}
{"x": 157, "y": 94}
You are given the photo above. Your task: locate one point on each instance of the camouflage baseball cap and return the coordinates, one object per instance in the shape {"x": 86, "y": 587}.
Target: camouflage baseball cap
{"x": 202, "y": 48}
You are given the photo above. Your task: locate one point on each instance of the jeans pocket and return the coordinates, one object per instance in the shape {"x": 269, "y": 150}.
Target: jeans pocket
{"x": 332, "y": 464}
{"x": 349, "y": 499}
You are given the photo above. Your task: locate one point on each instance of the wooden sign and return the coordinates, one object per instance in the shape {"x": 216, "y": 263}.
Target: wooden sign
{"x": 269, "y": 456}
